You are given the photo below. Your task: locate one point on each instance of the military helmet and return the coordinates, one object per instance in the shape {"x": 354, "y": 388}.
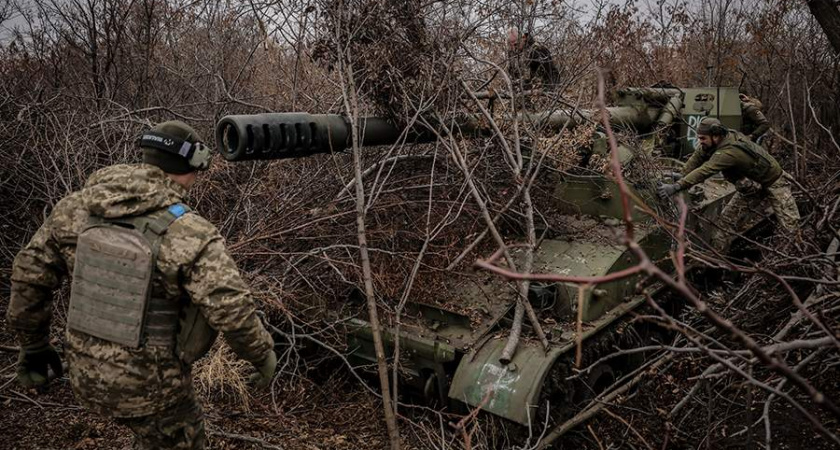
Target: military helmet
{"x": 174, "y": 147}
{"x": 710, "y": 126}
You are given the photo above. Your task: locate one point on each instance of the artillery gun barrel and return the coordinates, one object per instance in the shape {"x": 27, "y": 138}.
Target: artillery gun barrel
{"x": 296, "y": 135}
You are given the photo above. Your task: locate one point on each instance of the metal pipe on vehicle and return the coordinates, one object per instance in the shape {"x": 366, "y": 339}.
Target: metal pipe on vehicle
{"x": 295, "y": 135}
{"x": 651, "y": 94}
{"x": 670, "y": 111}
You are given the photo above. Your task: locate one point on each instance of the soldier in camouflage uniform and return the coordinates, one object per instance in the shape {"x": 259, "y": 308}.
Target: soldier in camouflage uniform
{"x": 148, "y": 388}
{"x": 525, "y": 54}
{"x": 742, "y": 163}
{"x": 755, "y": 125}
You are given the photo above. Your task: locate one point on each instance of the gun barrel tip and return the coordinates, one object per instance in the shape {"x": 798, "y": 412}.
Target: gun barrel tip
{"x": 228, "y": 139}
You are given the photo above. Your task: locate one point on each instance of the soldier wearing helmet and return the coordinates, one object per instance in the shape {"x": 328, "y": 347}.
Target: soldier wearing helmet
{"x": 739, "y": 160}
{"x": 151, "y": 286}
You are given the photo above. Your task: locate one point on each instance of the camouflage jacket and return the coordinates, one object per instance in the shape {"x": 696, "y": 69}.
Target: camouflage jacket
{"x": 733, "y": 162}
{"x": 755, "y": 124}
{"x": 538, "y": 62}
{"x": 192, "y": 265}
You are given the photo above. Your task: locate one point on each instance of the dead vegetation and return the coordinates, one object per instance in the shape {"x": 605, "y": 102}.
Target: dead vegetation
{"x": 79, "y": 81}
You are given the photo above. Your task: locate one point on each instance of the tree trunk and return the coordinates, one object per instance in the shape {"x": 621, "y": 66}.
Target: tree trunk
{"x": 828, "y": 16}
{"x": 351, "y": 103}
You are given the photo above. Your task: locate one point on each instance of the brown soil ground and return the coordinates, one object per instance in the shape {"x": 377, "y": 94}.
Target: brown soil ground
{"x": 340, "y": 415}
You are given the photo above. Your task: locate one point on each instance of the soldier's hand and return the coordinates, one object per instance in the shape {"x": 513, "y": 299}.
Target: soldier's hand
{"x": 747, "y": 187}
{"x": 265, "y": 372}
{"x": 672, "y": 174}
{"x": 667, "y": 190}
{"x": 33, "y": 364}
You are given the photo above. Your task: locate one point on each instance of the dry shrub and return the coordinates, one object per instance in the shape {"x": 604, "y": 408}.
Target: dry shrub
{"x": 567, "y": 150}
{"x": 64, "y": 113}
{"x": 401, "y": 65}
{"x": 221, "y": 377}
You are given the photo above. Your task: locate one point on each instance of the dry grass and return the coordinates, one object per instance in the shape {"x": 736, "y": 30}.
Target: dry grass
{"x": 220, "y": 376}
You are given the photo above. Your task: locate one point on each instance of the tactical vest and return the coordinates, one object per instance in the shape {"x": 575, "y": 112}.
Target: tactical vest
{"x": 764, "y": 168}
{"x": 111, "y": 294}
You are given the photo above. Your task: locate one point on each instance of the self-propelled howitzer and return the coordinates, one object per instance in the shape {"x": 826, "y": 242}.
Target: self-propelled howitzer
{"x": 450, "y": 356}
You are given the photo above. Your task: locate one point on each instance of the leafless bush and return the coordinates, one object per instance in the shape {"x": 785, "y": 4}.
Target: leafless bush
{"x": 79, "y": 81}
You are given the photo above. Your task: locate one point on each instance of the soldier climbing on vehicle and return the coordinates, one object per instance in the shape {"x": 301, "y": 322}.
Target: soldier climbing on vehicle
{"x": 742, "y": 162}
{"x": 151, "y": 286}
{"x": 755, "y": 124}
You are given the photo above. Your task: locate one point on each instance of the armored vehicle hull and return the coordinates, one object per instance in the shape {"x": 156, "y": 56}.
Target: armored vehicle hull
{"x": 450, "y": 345}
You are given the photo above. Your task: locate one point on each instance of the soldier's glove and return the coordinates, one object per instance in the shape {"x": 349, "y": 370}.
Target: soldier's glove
{"x": 747, "y": 187}
{"x": 672, "y": 174}
{"x": 265, "y": 372}
{"x": 667, "y": 190}
{"x": 33, "y": 363}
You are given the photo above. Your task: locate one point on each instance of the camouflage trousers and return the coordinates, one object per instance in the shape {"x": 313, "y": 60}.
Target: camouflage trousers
{"x": 744, "y": 210}
{"x": 181, "y": 426}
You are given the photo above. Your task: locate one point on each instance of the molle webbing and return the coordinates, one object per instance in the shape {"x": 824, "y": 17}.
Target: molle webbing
{"x": 111, "y": 296}
{"x": 161, "y": 322}
{"x": 162, "y": 313}
{"x": 111, "y": 284}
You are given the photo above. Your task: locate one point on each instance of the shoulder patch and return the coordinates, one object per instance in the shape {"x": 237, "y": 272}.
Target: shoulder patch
{"x": 178, "y": 210}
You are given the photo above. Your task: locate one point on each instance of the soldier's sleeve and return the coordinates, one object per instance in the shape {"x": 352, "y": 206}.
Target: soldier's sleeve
{"x": 719, "y": 161}
{"x": 541, "y": 55}
{"x": 696, "y": 160}
{"x": 215, "y": 285}
{"x": 762, "y": 125}
{"x": 36, "y": 272}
